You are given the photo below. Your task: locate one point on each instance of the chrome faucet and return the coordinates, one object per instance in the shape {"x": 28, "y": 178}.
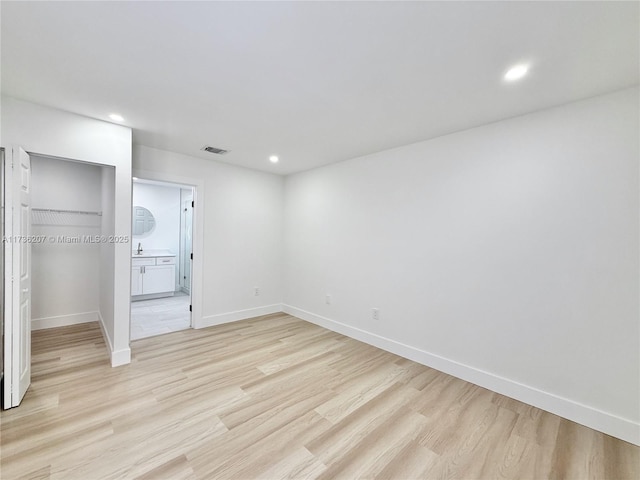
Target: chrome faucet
{"x": 139, "y": 248}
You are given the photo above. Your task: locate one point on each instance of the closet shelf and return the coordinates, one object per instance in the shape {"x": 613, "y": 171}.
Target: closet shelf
{"x": 71, "y": 218}
{"x": 79, "y": 212}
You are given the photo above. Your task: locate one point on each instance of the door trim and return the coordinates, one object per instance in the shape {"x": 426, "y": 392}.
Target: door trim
{"x": 8, "y": 282}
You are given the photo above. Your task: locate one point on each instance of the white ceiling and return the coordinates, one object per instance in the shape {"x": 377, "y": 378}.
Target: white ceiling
{"x": 312, "y": 82}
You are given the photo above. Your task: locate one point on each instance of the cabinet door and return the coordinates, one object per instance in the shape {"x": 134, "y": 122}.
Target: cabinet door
{"x": 136, "y": 281}
{"x": 159, "y": 279}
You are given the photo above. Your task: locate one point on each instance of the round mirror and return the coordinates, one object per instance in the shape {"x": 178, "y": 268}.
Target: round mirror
{"x": 143, "y": 221}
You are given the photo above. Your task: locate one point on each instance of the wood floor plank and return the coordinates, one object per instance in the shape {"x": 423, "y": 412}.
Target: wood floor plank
{"x": 299, "y": 464}
{"x": 360, "y": 393}
{"x": 410, "y": 463}
{"x": 177, "y": 468}
{"x": 385, "y": 442}
{"x": 275, "y": 397}
{"x": 273, "y": 448}
{"x": 353, "y": 429}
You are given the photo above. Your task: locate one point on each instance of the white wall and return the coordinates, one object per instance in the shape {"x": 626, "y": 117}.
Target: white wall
{"x": 65, "y": 278}
{"x": 164, "y": 203}
{"x": 50, "y": 132}
{"x": 107, "y": 253}
{"x": 505, "y": 254}
{"x": 240, "y": 219}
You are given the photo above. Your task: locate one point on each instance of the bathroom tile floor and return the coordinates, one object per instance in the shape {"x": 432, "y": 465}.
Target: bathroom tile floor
{"x": 159, "y": 316}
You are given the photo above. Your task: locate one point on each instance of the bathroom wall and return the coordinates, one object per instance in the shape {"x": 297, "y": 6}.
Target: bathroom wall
{"x": 164, "y": 203}
{"x": 65, "y": 278}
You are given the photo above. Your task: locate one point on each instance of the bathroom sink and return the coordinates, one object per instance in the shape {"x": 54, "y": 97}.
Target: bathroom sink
{"x": 153, "y": 253}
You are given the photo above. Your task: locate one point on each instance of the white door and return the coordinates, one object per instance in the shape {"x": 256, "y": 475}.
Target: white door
{"x": 18, "y": 321}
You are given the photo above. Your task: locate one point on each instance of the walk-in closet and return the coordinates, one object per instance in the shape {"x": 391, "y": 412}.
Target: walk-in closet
{"x": 72, "y": 229}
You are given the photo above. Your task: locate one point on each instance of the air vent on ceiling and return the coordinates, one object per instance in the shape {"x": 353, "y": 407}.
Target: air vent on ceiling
{"x": 218, "y": 151}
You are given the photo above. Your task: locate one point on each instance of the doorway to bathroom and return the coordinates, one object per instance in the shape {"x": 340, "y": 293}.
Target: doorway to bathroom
{"x": 162, "y": 241}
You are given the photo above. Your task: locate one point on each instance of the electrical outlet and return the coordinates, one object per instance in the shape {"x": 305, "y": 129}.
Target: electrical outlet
{"x": 327, "y": 299}
{"x": 256, "y": 291}
{"x": 375, "y": 314}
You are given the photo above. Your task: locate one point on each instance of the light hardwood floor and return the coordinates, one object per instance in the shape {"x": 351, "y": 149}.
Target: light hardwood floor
{"x": 275, "y": 397}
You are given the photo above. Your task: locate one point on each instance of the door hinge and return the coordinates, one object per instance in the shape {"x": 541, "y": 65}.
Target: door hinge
{"x": 192, "y": 256}
{"x": 191, "y": 308}
{"x": 193, "y": 203}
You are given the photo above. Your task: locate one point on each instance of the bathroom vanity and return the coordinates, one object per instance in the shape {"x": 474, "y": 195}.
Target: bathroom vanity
{"x": 153, "y": 274}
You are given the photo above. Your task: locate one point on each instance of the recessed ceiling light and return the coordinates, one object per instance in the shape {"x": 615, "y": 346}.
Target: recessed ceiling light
{"x": 273, "y": 159}
{"x": 516, "y": 72}
{"x": 116, "y": 118}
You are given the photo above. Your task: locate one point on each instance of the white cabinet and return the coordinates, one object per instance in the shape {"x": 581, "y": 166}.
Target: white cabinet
{"x": 159, "y": 279}
{"x": 153, "y": 276}
{"x": 136, "y": 281}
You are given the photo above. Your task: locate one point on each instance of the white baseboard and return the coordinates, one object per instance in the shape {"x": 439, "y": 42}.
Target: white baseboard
{"x": 229, "y": 317}
{"x": 119, "y": 357}
{"x": 605, "y": 422}
{"x": 63, "y": 320}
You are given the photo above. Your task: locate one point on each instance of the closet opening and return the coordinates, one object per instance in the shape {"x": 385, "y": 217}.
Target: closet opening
{"x": 73, "y": 242}
{"x": 161, "y": 257}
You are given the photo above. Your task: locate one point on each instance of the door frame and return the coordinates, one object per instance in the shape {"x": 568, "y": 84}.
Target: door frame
{"x": 7, "y": 400}
{"x": 2, "y": 270}
{"x": 184, "y": 207}
{"x": 197, "y": 238}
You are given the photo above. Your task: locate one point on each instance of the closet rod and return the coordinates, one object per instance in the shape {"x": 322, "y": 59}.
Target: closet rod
{"x": 79, "y": 212}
